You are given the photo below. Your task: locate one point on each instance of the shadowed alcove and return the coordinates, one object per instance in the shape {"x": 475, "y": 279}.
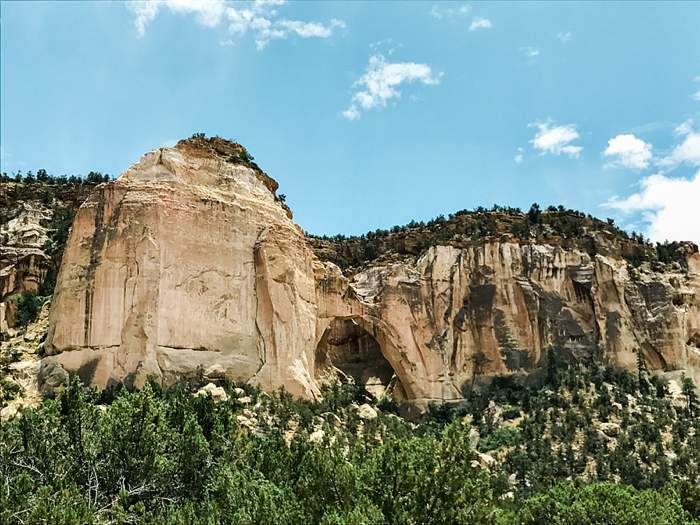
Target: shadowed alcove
{"x": 348, "y": 352}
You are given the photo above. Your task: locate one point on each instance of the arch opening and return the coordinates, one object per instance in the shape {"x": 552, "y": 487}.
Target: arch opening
{"x": 348, "y": 352}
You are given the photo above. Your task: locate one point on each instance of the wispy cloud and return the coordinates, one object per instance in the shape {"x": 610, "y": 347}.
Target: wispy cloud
{"x": 565, "y": 37}
{"x": 208, "y": 12}
{"x": 480, "y": 23}
{"x": 441, "y": 11}
{"x": 556, "y": 140}
{"x": 260, "y": 18}
{"x": 667, "y": 206}
{"x": 381, "y": 80}
{"x": 530, "y": 51}
{"x": 696, "y": 96}
{"x": 447, "y": 11}
{"x": 628, "y": 151}
{"x": 519, "y": 156}
{"x": 687, "y": 152}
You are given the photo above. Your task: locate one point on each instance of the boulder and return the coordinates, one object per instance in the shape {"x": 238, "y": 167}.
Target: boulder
{"x": 365, "y": 411}
{"x": 51, "y": 376}
{"x": 217, "y": 393}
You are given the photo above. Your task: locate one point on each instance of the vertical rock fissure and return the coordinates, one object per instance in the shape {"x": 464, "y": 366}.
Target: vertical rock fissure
{"x": 96, "y": 244}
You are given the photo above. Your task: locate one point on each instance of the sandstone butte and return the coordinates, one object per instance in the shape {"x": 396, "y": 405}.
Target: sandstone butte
{"x": 190, "y": 261}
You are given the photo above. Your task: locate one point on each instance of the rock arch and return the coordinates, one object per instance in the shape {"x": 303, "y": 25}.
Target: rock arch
{"x": 355, "y": 347}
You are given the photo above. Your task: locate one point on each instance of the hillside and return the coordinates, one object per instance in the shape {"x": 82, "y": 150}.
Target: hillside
{"x": 588, "y": 445}
{"x": 175, "y": 349}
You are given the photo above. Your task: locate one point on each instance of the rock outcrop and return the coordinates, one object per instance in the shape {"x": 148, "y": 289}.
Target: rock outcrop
{"x": 23, "y": 263}
{"x": 190, "y": 261}
{"x": 497, "y": 309}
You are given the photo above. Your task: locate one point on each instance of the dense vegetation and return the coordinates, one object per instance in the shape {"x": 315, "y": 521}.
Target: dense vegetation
{"x": 28, "y": 306}
{"x": 554, "y": 225}
{"x": 168, "y": 456}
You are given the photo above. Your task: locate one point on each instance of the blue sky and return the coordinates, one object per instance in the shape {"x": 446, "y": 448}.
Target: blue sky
{"x": 374, "y": 114}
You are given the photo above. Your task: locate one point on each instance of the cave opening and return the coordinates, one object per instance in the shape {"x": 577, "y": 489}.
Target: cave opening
{"x": 347, "y": 352}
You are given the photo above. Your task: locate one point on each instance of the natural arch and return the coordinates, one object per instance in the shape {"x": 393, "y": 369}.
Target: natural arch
{"x": 348, "y": 351}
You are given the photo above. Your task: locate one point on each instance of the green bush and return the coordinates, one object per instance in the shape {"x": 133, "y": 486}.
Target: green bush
{"x": 163, "y": 455}
{"x": 600, "y": 503}
{"x": 501, "y": 437}
{"x": 28, "y": 307}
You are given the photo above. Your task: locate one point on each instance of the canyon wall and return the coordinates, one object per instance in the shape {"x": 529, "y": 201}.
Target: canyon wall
{"x": 189, "y": 261}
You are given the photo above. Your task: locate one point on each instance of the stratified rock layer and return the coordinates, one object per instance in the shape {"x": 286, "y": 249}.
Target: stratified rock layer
{"x": 189, "y": 260}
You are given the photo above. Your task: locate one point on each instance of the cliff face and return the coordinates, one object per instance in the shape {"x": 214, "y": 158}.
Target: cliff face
{"x": 190, "y": 260}
{"x": 496, "y": 309}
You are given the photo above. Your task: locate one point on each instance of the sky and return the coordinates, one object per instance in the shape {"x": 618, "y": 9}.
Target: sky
{"x": 371, "y": 114}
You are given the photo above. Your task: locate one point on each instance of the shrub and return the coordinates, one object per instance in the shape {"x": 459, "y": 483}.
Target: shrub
{"x": 28, "y": 306}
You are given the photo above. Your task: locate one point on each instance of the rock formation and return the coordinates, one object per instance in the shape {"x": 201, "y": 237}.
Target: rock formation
{"x": 23, "y": 263}
{"x": 191, "y": 261}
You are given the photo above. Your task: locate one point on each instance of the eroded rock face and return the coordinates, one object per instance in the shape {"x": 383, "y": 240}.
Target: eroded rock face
{"x": 190, "y": 260}
{"x": 497, "y": 308}
{"x": 187, "y": 260}
{"x": 23, "y": 263}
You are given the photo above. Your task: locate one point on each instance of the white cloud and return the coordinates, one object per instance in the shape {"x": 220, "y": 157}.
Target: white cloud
{"x": 628, "y": 151}
{"x": 696, "y": 96}
{"x": 684, "y": 128}
{"x": 480, "y": 23}
{"x": 259, "y": 17}
{"x": 145, "y": 11}
{"x": 209, "y": 13}
{"x": 311, "y": 29}
{"x": 442, "y": 11}
{"x": 556, "y": 139}
{"x": 565, "y": 37}
{"x": 688, "y": 151}
{"x": 381, "y": 80}
{"x": 529, "y": 51}
{"x": 519, "y": 156}
{"x": 669, "y": 207}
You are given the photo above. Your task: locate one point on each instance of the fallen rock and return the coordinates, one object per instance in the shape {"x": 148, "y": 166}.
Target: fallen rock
{"x": 317, "y": 436}
{"x": 366, "y": 411}
{"x": 217, "y": 393}
{"x": 8, "y": 412}
{"x": 483, "y": 461}
{"x": 51, "y": 376}
{"x": 474, "y": 437}
{"x": 609, "y": 429}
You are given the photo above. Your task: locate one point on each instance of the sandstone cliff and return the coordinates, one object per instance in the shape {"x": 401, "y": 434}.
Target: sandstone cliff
{"x": 189, "y": 260}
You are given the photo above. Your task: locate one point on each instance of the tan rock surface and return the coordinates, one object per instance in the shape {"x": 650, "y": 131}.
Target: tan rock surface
{"x": 433, "y": 314}
{"x": 190, "y": 260}
{"x": 186, "y": 260}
